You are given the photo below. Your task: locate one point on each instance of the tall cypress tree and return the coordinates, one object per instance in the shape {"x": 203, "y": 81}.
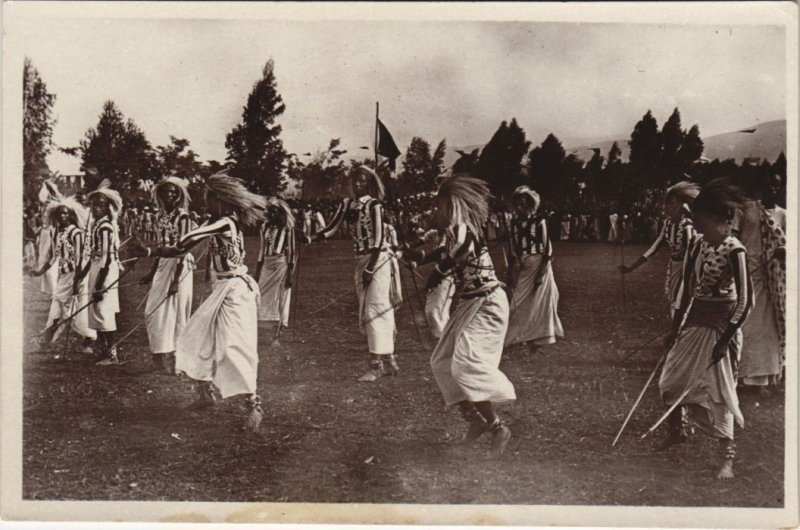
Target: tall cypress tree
{"x": 118, "y": 150}
{"x": 692, "y": 148}
{"x": 255, "y": 149}
{"x": 500, "y": 161}
{"x": 645, "y": 144}
{"x": 545, "y": 165}
{"x": 672, "y": 138}
{"x": 37, "y": 128}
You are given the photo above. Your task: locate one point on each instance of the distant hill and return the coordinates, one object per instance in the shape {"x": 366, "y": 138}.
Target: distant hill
{"x": 767, "y": 142}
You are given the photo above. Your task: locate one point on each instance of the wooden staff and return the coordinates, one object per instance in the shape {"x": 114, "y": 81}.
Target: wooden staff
{"x": 639, "y": 399}
{"x": 674, "y": 405}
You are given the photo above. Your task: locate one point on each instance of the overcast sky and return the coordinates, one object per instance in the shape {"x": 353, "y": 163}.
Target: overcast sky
{"x": 453, "y": 80}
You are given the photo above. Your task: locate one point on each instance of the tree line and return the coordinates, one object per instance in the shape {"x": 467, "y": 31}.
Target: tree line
{"x": 119, "y": 150}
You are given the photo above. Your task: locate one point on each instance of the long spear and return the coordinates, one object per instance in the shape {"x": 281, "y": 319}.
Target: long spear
{"x": 639, "y": 399}
{"x": 675, "y": 405}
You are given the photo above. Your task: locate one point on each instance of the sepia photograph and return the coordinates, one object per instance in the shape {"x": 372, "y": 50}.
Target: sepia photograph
{"x": 452, "y": 263}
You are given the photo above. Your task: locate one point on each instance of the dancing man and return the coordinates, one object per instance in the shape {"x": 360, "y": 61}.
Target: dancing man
{"x": 218, "y": 346}
{"x": 375, "y": 275}
{"x": 104, "y": 268}
{"x": 534, "y": 300}
{"x": 69, "y": 218}
{"x": 170, "y": 277}
{"x": 276, "y": 261}
{"x": 677, "y": 232}
{"x": 716, "y": 297}
{"x": 466, "y": 360}
{"x": 764, "y": 348}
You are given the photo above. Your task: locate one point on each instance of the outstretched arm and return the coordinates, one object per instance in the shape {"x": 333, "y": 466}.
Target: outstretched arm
{"x": 331, "y": 228}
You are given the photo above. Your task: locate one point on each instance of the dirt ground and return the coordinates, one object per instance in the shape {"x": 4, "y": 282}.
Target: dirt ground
{"x": 121, "y": 433}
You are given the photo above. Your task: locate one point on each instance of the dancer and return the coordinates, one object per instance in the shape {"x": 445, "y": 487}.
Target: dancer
{"x": 613, "y": 220}
{"x": 46, "y": 239}
{"x": 534, "y": 300}
{"x": 219, "y": 345}
{"x": 764, "y": 348}
{"x": 375, "y": 275}
{"x": 677, "y": 232}
{"x": 170, "y": 277}
{"x": 276, "y": 261}
{"x": 466, "y": 360}
{"x": 104, "y": 268}
{"x": 69, "y": 218}
{"x": 439, "y": 299}
{"x": 716, "y": 297}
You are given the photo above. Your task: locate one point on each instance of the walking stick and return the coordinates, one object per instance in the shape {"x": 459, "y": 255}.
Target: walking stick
{"x": 674, "y": 406}
{"x": 639, "y": 399}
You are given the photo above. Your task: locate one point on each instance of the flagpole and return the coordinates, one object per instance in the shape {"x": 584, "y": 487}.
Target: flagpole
{"x": 377, "y": 109}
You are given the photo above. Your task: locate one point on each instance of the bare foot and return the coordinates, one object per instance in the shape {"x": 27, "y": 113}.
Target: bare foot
{"x": 500, "y": 439}
{"x": 726, "y": 471}
{"x": 254, "y": 420}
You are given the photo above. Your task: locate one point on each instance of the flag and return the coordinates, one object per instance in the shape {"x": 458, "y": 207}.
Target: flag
{"x": 386, "y": 145}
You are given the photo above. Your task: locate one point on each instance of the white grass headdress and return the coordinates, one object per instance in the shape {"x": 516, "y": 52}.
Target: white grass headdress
{"x": 183, "y": 191}
{"x": 467, "y": 200}
{"x": 280, "y": 204}
{"x": 250, "y": 207}
{"x": 525, "y": 191}
{"x": 685, "y": 191}
{"x": 113, "y": 196}
{"x": 78, "y": 212}
{"x": 376, "y": 184}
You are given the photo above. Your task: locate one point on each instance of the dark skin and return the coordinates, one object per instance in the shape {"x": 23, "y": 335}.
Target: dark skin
{"x": 713, "y": 232}
{"x": 276, "y": 217}
{"x": 64, "y": 220}
{"x": 100, "y": 207}
{"x": 361, "y": 187}
{"x": 169, "y": 195}
{"x": 672, "y": 210}
{"x": 214, "y": 206}
{"x": 523, "y": 207}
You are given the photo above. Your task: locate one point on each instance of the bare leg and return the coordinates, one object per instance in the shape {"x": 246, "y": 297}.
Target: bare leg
{"x": 677, "y": 430}
{"x": 107, "y": 341}
{"x": 375, "y": 369}
{"x": 501, "y": 434}
{"x": 206, "y": 397}
{"x": 256, "y": 413}
{"x": 727, "y": 449}
{"x": 477, "y": 425}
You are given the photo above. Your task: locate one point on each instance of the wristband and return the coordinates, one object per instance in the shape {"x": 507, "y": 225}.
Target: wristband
{"x": 367, "y": 271}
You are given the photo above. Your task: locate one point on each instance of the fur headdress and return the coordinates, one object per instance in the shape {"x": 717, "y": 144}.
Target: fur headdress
{"x": 525, "y": 191}
{"x": 250, "y": 207}
{"x": 467, "y": 200}
{"x": 685, "y": 191}
{"x": 113, "y": 196}
{"x": 78, "y": 212}
{"x": 183, "y": 191}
